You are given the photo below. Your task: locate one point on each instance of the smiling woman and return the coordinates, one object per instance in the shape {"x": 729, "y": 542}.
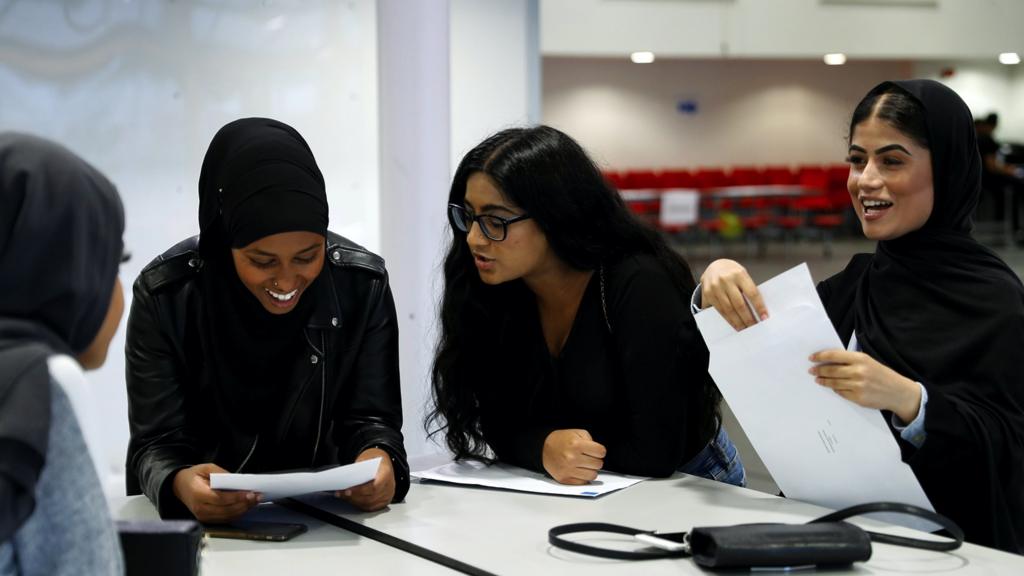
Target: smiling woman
{"x": 933, "y": 320}
{"x": 267, "y": 343}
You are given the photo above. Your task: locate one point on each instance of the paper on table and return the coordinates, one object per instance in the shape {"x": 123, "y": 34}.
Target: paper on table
{"x": 510, "y": 477}
{"x": 818, "y": 446}
{"x": 274, "y": 486}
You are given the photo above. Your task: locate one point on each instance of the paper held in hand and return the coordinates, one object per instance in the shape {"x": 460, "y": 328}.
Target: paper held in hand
{"x": 275, "y": 486}
{"x": 818, "y": 446}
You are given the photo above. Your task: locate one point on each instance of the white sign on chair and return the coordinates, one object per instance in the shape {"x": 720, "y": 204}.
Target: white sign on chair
{"x": 679, "y": 207}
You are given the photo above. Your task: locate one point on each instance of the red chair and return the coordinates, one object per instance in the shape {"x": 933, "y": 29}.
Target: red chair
{"x": 747, "y": 176}
{"x": 639, "y": 180}
{"x": 614, "y": 179}
{"x": 779, "y": 176}
{"x": 676, "y": 179}
{"x": 711, "y": 178}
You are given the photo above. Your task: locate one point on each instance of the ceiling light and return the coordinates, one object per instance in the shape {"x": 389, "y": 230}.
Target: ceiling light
{"x": 642, "y": 57}
{"x": 837, "y": 59}
{"x": 1009, "y": 58}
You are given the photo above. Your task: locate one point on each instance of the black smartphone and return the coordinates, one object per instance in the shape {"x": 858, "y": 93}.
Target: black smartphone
{"x": 247, "y": 530}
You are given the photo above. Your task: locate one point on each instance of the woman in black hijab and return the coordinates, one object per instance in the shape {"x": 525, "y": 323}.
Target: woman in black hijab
{"x": 61, "y": 224}
{"x": 268, "y": 343}
{"x": 934, "y": 321}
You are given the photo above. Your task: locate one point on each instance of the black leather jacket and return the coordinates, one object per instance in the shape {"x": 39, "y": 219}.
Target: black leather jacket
{"x": 344, "y": 397}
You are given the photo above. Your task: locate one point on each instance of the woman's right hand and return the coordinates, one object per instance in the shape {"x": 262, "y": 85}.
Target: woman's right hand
{"x": 572, "y": 457}
{"x": 192, "y": 487}
{"x": 723, "y": 285}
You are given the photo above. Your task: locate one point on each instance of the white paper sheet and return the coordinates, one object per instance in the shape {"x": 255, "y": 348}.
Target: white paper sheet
{"x": 274, "y": 486}
{"x": 510, "y": 477}
{"x": 819, "y": 447}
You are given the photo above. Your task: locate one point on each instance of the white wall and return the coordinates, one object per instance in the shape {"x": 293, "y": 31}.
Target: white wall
{"x": 749, "y": 112}
{"x": 495, "y": 64}
{"x": 985, "y": 87}
{"x": 1012, "y": 124}
{"x": 139, "y": 89}
{"x": 781, "y": 28}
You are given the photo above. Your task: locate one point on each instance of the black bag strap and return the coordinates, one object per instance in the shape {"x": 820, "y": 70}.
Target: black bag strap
{"x": 555, "y": 535}
{"x": 955, "y": 532}
{"x": 555, "y": 539}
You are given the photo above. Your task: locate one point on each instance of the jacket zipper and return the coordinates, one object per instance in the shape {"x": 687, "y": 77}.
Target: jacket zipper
{"x": 323, "y": 389}
{"x": 251, "y": 450}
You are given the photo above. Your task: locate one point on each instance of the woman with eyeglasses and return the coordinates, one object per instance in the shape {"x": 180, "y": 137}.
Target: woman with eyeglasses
{"x": 267, "y": 343}
{"x": 567, "y": 345}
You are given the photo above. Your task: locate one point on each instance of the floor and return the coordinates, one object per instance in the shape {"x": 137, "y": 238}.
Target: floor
{"x": 778, "y": 257}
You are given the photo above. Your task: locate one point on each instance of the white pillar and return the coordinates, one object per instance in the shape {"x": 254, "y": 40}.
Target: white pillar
{"x": 495, "y": 69}
{"x": 413, "y": 91}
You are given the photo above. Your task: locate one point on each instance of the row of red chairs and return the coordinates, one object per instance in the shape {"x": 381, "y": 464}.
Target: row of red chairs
{"x": 822, "y": 207}
{"x": 822, "y": 177}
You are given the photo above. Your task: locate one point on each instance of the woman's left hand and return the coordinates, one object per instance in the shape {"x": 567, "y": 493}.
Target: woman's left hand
{"x": 865, "y": 381}
{"x": 376, "y": 493}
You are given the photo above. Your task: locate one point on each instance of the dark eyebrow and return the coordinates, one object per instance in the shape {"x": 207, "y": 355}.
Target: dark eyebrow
{"x": 892, "y": 147}
{"x": 487, "y": 207}
{"x": 258, "y": 252}
{"x": 882, "y": 150}
{"x": 493, "y": 207}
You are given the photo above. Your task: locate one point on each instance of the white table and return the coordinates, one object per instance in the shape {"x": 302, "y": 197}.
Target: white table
{"x": 323, "y": 549}
{"x": 506, "y": 532}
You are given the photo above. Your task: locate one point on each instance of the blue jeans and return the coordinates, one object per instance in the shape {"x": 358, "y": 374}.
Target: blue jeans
{"x": 719, "y": 461}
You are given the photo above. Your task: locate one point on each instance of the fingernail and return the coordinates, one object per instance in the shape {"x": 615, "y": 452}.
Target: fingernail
{"x": 764, "y": 316}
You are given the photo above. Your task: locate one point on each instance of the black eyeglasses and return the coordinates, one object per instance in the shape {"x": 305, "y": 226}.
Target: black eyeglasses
{"x": 493, "y": 227}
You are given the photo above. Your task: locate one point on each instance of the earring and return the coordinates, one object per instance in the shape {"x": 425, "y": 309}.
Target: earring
{"x": 275, "y": 283}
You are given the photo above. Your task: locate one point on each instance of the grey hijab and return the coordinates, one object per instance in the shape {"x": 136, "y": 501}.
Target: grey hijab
{"x": 61, "y": 227}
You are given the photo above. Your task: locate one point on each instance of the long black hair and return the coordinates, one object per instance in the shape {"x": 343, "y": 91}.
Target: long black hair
{"x": 586, "y": 223}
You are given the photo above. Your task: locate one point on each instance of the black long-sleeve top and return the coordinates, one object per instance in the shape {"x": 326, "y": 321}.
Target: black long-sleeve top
{"x": 634, "y": 379}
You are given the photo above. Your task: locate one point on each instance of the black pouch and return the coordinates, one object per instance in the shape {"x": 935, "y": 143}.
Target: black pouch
{"x": 160, "y": 548}
{"x": 779, "y": 545}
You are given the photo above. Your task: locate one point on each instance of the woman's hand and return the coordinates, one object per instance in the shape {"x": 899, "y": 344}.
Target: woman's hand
{"x": 724, "y": 285}
{"x": 865, "y": 381}
{"x": 192, "y": 487}
{"x": 376, "y": 493}
{"x": 572, "y": 457}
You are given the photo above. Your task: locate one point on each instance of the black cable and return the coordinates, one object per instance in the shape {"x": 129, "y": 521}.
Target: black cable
{"x": 383, "y": 538}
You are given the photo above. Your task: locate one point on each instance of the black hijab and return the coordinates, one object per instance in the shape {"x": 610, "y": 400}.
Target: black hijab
{"x": 940, "y": 308}
{"x": 258, "y": 178}
{"x": 61, "y": 227}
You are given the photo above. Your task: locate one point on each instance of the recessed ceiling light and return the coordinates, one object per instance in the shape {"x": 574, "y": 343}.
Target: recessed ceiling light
{"x": 642, "y": 57}
{"x": 1009, "y": 58}
{"x": 837, "y": 59}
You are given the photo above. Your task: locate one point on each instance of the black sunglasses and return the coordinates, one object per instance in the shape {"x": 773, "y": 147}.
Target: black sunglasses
{"x": 493, "y": 227}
